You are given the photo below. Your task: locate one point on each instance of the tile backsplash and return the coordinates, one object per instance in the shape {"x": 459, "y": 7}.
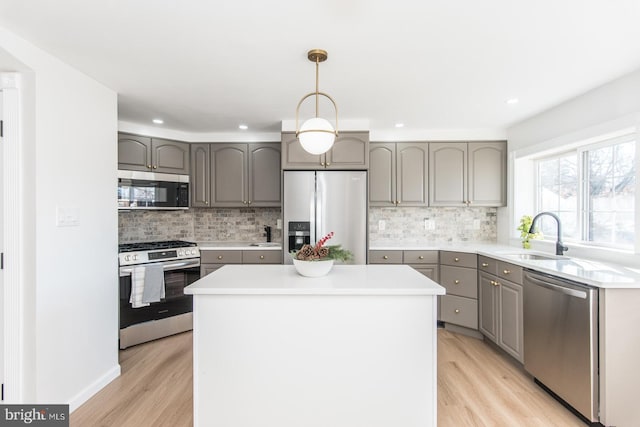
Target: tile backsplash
{"x": 206, "y": 224}
{"x": 449, "y": 225}
{"x": 405, "y": 224}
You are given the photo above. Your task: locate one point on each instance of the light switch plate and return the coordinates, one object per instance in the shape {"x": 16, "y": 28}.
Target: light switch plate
{"x": 67, "y": 216}
{"x": 381, "y": 225}
{"x": 279, "y": 224}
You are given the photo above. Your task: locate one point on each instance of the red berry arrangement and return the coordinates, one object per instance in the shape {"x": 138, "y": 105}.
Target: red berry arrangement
{"x": 321, "y": 252}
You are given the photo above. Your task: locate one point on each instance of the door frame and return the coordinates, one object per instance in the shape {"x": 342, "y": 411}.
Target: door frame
{"x": 13, "y": 226}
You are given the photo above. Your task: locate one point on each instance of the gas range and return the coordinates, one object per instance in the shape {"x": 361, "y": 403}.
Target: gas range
{"x": 146, "y": 252}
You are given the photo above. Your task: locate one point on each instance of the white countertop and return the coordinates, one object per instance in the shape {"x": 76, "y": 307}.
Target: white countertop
{"x": 239, "y": 246}
{"x": 594, "y": 273}
{"x": 341, "y": 280}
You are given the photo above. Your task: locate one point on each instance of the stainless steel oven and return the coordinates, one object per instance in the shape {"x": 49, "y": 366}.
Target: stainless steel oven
{"x": 180, "y": 262}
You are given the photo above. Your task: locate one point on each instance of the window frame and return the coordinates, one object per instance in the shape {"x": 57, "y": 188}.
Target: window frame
{"x": 582, "y": 208}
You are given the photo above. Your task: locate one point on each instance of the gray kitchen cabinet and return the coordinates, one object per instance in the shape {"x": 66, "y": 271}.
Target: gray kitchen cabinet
{"x": 235, "y": 175}
{"x": 398, "y": 174}
{"x": 200, "y": 175}
{"x": 467, "y": 174}
{"x": 152, "y": 154}
{"x": 211, "y": 260}
{"x": 350, "y": 151}
{"x": 425, "y": 262}
{"x": 458, "y": 274}
{"x": 501, "y": 303}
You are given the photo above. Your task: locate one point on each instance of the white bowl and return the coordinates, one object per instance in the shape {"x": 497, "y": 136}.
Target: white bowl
{"x": 313, "y": 268}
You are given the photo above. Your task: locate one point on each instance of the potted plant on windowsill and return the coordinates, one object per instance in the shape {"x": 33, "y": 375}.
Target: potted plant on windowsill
{"x": 525, "y": 236}
{"x": 317, "y": 260}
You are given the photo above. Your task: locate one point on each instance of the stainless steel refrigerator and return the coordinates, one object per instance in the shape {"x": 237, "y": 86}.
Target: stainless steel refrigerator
{"x": 319, "y": 202}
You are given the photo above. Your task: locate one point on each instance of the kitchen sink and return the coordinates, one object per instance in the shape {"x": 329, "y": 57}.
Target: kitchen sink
{"x": 265, "y": 244}
{"x": 537, "y": 257}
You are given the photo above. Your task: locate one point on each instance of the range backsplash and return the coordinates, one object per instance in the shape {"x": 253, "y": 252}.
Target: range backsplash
{"x": 451, "y": 225}
{"x": 204, "y": 225}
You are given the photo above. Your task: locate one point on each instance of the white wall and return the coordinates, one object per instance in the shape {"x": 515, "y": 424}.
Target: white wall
{"x": 70, "y": 161}
{"x": 606, "y": 110}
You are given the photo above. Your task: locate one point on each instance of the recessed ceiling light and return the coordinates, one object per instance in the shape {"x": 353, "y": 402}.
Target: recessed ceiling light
{"x": 243, "y": 127}
{"x": 158, "y": 121}
{"x": 399, "y": 125}
{"x": 512, "y": 101}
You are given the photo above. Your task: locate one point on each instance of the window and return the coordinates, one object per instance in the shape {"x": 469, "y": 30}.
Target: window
{"x": 592, "y": 190}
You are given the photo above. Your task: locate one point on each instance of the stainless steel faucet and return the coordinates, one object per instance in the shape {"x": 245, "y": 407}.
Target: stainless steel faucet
{"x": 560, "y": 248}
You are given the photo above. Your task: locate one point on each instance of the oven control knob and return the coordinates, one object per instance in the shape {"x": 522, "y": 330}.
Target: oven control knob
{"x": 135, "y": 257}
{"x": 127, "y": 257}
{"x": 193, "y": 252}
{"x": 180, "y": 253}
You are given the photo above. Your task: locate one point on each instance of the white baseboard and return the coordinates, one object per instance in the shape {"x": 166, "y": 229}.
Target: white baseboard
{"x": 93, "y": 388}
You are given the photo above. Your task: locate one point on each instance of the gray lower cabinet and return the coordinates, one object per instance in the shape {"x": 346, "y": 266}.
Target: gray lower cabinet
{"x": 425, "y": 262}
{"x": 235, "y": 175}
{"x": 467, "y": 174}
{"x": 211, "y": 260}
{"x": 141, "y": 153}
{"x": 458, "y": 274}
{"x": 350, "y": 151}
{"x": 398, "y": 174}
{"x": 501, "y": 302}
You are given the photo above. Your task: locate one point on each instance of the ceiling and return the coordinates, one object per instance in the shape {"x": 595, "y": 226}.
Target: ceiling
{"x": 208, "y": 66}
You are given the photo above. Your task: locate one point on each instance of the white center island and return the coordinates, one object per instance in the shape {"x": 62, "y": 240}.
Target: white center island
{"x": 356, "y": 348}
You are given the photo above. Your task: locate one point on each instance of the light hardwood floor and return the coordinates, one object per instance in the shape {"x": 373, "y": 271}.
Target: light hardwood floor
{"x": 477, "y": 386}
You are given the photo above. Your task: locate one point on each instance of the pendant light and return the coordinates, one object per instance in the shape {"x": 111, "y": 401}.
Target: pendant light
{"x": 316, "y": 135}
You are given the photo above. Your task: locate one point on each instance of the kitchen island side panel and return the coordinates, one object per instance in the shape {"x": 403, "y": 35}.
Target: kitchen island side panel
{"x": 316, "y": 361}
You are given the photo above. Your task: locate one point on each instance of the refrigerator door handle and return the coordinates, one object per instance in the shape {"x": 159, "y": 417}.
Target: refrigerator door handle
{"x": 320, "y": 204}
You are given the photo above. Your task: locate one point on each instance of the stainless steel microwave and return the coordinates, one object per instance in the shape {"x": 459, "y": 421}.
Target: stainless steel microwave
{"x": 150, "y": 190}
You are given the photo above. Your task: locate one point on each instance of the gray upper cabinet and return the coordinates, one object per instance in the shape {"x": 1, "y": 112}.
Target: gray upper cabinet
{"x": 235, "y": 175}
{"x": 398, "y": 174}
{"x": 229, "y": 175}
{"x": 141, "y": 153}
{"x": 200, "y": 175}
{"x": 264, "y": 175}
{"x": 467, "y": 174}
{"x": 487, "y": 173}
{"x": 350, "y": 151}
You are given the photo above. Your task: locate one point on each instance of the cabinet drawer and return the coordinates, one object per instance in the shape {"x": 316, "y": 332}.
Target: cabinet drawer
{"x": 420, "y": 257}
{"x": 385, "y": 257}
{"x": 459, "y": 281}
{"x": 262, "y": 257}
{"x": 510, "y": 272}
{"x": 459, "y": 311}
{"x": 489, "y": 265}
{"x": 208, "y": 268}
{"x": 461, "y": 259}
{"x": 221, "y": 257}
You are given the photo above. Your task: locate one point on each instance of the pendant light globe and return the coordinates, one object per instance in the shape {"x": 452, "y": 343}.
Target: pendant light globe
{"x": 317, "y": 135}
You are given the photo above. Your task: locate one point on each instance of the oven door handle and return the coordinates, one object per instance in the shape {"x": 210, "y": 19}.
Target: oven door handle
{"x": 126, "y": 271}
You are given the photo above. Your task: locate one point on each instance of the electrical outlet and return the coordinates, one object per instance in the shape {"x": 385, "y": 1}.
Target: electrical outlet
{"x": 429, "y": 224}
{"x": 476, "y": 224}
{"x": 67, "y": 216}
{"x": 381, "y": 225}
{"x": 279, "y": 224}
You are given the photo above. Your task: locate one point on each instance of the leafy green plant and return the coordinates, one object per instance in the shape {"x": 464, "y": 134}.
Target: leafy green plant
{"x": 525, "y": 236}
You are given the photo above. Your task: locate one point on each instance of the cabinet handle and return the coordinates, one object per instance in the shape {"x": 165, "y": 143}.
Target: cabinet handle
{"x": 496, "y": 283}
{"x": 456, "y": 311}
{"x": 385, "y": 257}
{"x": 484, "y": 264}
{"x": 321, "y": 163}
{"x": 457, "y": 282}
{"x": 420, "y": 257}
{"x": 148, "y": 166}
{"x": 244, "y": 202}
{"x": 219, "y": 256}
{"x": 397, "y": 202}
{"x": 155, "y": 166}
{"x": 469, "y": 202}
{"x": 206, "y": 202}
{"x": 328, "y": 164}
{"x": 456, "y": 259}
{"x": 505, "y": 271}
{"x": 249, "y": 202}
{"x": 261, "y": 256}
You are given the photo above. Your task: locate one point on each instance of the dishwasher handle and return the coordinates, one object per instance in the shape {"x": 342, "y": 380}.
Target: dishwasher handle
{"x": 547, "y": 283}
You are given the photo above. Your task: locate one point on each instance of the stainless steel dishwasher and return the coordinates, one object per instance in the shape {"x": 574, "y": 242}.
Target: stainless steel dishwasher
{"x": 561, "y": 339}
